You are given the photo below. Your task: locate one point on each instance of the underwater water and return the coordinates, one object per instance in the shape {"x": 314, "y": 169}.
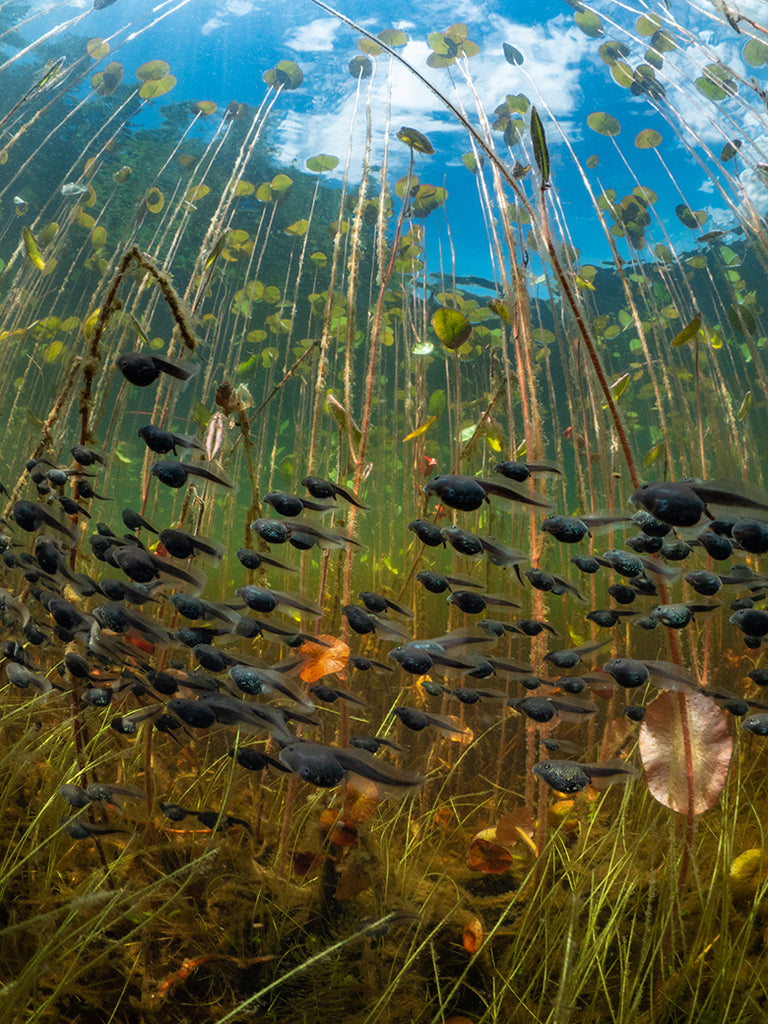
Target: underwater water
{"x": 385, "y": 517}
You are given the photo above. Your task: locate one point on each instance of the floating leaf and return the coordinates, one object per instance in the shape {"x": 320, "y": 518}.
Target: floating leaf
{"x": 729, "y": 150}
{"x": 592, "y": 161}
{"x": 284, "y": 75}
{"x": 692, "y": 219}
{"x": 589, "y": 23}
{"x": 420, "y": 430}
{"x": 97, "y": 48}
{"x": 122, "y": 175}
{"x": 322, "y": 162}
{"x": 471, "y": 162}
{"x": 648, "y": 24}
{"x": 369, "y": 46}
{"x": 393, "y": 37}
{"x": 418, "y": 142}
{"x": 451, "y": 327}
{"x": 157, "y": 87}
{"x": 603, "y": 124}
{"x": 244, "y": 188}
{"x": 512, "y": 55}
{"x": 688, "y": 332}
{"x": 540, "y": 150}
{"x": 106, "y": 81}
{"x": 755, "y": 53}
{"x": 204, "y": 107}
{"x": 154, "y": 200}
{"x": 153, "y": 71}
{"x": 648, "y": 138}
{"x": 298, "y": 229}
{"x": 98, "y": 237}
{"x": 663, "y": 750}
{"x": 196, "y": 193}
{"x": 361, "y": 67}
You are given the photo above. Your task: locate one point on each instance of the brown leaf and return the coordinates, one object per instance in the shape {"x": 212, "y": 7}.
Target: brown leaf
{"x": 519, "y": 818}
{"x": 305, "y": 861}
{"x": 473, "y": 935}
{"x": 488, "y": 856}
{"x": 662, "y": 750}
{"x": 352, "y": 881}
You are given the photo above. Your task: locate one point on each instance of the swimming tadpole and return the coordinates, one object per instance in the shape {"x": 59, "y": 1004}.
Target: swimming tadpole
{"x": 142, "y": 369}
{"x": 320, "y": 488}
{"x": 161, "y": 441}
{"x": 174, "y": 474}
{"x": 468, "y": 493}
{"x": 327, "y": 766}
{"x": 571, "y": 777}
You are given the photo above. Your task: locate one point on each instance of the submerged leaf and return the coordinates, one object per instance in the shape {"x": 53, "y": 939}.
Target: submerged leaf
{"x": 688, "y": 332}
{"x": 663, "y": 750}
{"x": 540, "y": 150}
{"x": 418, "y": 142}
{"x": 451, "y": 327}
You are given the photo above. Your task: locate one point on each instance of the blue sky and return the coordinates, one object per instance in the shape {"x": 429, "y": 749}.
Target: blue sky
{"x": 219, "y": 51}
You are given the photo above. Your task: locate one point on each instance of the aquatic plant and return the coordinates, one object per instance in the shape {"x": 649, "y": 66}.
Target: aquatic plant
{"x": 201, "y": 821}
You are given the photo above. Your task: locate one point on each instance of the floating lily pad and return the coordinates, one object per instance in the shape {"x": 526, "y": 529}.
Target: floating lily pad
{"x": 512, "y": 55}
{"x": 97, "y": 48}
{"x": 153, "y": 71}
{"x": 106, "y": 81}
{"x": 648, "y": 24}
{"x": 244, "y": 188}
{"x": 196, "y": 193}
{"x": 122, "y": 175}
{"x": 204, "y": 107}
{"x": 592, "y": 161}
{"x": 471, "y": 162}
{"x": 729, "y": 150}
{"x": 322, "y": 162}
{"x": 418, "y": 142}
{"x": 154, "y": 200}
{"x": 603, "y": 124}
{"x": 589, "y": 23}
{"x": 393, "y": 37}
{"x": 361, "y": 67}
{"x": 98, "y": 237}
{"x": 157, "y": 87}
{"x": 298, "y": 229}
{"x": 612, "y": 51}
{"x": 284, "y": 75}
{"x": 755, "y": 53}
{"x": 690, "y": 218}
{"x": 368, "y": 46}
{"x": 648, "y": 138}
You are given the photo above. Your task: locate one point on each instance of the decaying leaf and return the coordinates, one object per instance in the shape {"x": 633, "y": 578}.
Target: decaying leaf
{"x": 487, "y": 855}
{"x": 472, "y": 937}
{"x": 662, "y": 750}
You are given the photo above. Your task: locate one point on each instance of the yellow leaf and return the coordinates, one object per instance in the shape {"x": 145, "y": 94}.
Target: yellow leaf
{"x": 420, "y": 430}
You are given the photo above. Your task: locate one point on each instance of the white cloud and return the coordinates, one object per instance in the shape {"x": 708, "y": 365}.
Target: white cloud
{"x": 315, "y": 37}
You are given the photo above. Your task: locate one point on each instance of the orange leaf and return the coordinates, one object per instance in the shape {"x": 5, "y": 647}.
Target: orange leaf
{"x": 473, "y": 935}
{"x": 488, "y": 856}
{"x": 322, "y": 661}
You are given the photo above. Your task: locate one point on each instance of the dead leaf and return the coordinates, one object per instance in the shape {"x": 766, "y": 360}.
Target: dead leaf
{"x": 487, "y": 855}
{"x": 473, "y": 935}
{"x": 323, "y": 661}
{"x": 662, "y": 750}
{"x": 353, "y": 880}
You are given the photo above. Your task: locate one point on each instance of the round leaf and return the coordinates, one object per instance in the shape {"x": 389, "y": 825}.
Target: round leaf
{"x": 451, "y": 327}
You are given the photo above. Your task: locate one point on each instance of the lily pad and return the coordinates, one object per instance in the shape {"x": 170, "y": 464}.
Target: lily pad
{"x": 603, "y": 124}
{"x": 452, "y": 327}
{"x": 284, "y": 75}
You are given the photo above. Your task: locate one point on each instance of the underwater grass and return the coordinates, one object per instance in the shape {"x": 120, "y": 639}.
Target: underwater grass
{"x": 329, "y": 341}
